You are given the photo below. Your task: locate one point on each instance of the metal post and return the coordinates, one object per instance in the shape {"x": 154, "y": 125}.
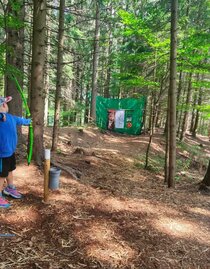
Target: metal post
{"x": 46, "y": 173}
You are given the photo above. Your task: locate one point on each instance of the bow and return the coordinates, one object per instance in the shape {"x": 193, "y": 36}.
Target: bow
{"x": 28, "y": 114}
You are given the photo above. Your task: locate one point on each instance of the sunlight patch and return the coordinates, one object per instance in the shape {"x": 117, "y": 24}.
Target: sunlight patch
{"x": 130, "y": 160}
{"x": 201, "y": 211}
{"x": 182, "y": 229}
{"x": 136, "y": 206}
{"x": 90, "y": 133}
{"x": 106, "y": 150}
{"x": 22, "y": 216}
{"x": 105, "y": 245}
{"x": 157, "y": 147}
{"x": 175, "y": 227}
{"x": 111, "y": 252}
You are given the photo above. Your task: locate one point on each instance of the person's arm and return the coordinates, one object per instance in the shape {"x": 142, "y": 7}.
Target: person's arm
{"x": 22, "y": 121}
{"x": 2, "y": 116}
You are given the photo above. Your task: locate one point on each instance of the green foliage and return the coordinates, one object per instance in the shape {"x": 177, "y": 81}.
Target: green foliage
{"x": 194, "y": 39}
{"x": 11, "y": 19}
{"x": 194, "y": 154}
{"x": 184, "y": 107}
{"x": 13, "y": 22}
{"x": 130, "y": 81}
{"x": 68, "y": 117}
{"x": 193, "y": 150}
{"x": 76, "y": 33}
{"x": 145, "y": 51}
{"x": 69, "y": 18}
{"x": 205, "y": 109}
{"x": 16, "y": 5}
{"x": 2, "y": 59}
{"x": 199, "y": 84}
{"x": 183, "y": 165}
{"x": 155, "y": 163}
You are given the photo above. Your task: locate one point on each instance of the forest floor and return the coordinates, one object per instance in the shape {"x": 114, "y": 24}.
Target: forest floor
{"x": 116, "y": 214}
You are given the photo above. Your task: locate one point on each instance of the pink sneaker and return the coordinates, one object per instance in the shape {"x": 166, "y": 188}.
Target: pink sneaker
{"x": 10, "y": 190}
{"x": 4, "y": 203}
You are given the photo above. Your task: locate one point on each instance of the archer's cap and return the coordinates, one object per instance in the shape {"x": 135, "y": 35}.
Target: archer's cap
{"x": 5, "y": 99}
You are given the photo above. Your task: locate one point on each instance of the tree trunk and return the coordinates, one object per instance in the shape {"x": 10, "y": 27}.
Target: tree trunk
{"x": 197, "y": 112}
{"x": 59, "y": 75}
{"x": 108, "y": 75}
{"x": 178, "y": 97}
{"x": 197, "y": 115}
{"x": 28, "y": 49}
{"x": 87, "y": 104}
{"x": 14, "y": 57}
{"x": 95, "y": 63}
{"x": 205, "y": 183}
{"x": 151, "y": 128}
{"x": 193, "y": 114}
{"x": 166, "y": 132}
{"x": 166, "y": 164}
{"x": 47, "y": 76}
{"x": 145, "y": 115}
{"x": 172, "y": 95}
{"x": 186, "y": 113}
{"x": 37, "y": 77}
{"x": 180, "y": 114}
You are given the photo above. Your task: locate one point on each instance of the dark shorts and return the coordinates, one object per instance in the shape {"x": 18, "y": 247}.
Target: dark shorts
{"x": 8, "y": 165}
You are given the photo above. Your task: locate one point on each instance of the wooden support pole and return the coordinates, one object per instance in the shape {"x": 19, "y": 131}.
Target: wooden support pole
{"x": 46, "y": 173}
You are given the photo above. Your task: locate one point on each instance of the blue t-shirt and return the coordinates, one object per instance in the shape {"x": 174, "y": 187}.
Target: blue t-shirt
{"x": 8, "y": 134}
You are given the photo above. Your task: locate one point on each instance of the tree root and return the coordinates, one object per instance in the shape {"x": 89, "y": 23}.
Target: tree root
{"x": 76, "y": 174}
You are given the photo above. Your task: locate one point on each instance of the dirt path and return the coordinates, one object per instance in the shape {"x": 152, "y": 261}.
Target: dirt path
{"x": 115, "y": 216}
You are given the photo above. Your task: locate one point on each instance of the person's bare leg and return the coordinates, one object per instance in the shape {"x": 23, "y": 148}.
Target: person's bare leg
{"x": 3, "y": 202}
{"x": 10, "y": 190}
{"x": 2, "y": 179}
{"x": 10, "y": 178}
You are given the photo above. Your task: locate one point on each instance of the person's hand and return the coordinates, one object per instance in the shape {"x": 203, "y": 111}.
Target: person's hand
{"x": 28, "y": 121}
